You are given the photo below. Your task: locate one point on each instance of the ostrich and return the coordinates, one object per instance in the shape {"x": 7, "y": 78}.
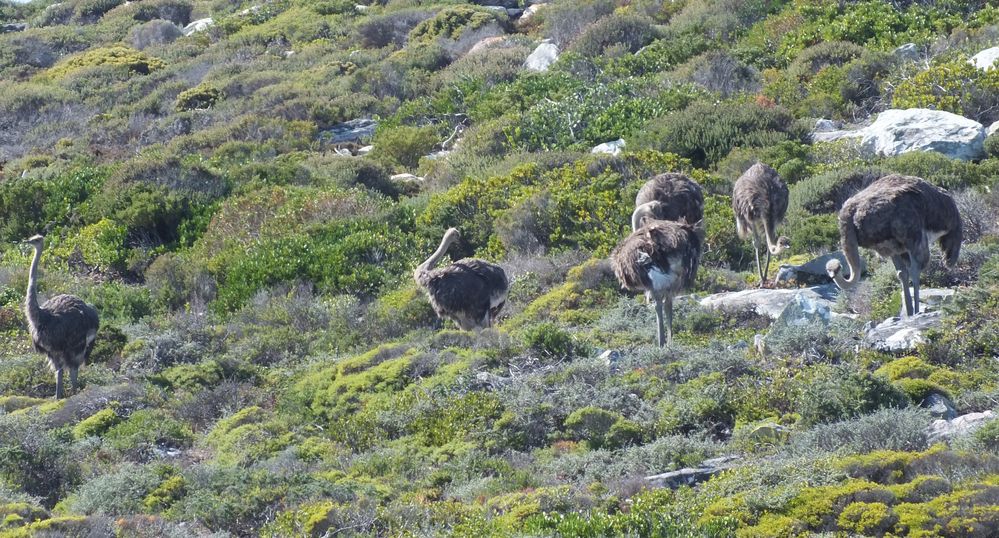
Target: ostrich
{"x": 469, "y": 291}
{"x": 669, "y": 196}
{"x": 660, "y": 258}
{"x": 759, "y": 200}
{"x": 898, "y": 217}
{"x": 63, "y": 328}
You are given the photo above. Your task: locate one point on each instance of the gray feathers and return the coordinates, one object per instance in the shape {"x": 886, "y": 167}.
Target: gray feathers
{"x": 667, "y": 247}
{"x": 679, "y": 197}
{"x": 759, "y": 197}
{"x": 65, "y": 331}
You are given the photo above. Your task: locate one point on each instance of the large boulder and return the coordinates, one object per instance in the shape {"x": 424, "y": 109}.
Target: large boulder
{"x": 899, "y": 131}
{"x": 199, "y": 25}
{"x": 902, "y": 334}
{"x": 984, "y": 60}
{"x": 542, "y": 58}
{"x": 612, "y": 148}
{"x": 772, "y": 303}
{"x": 945, "y": 430}
{"x": 690, "y": 476}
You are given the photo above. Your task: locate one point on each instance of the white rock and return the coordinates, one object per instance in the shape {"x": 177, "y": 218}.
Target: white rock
{"x": 199, "y": 25}
{"x": 542, "y": 58}
{"x": 992, "y": 128}
{"x": 406, "y": 178}
{"x": 984, "y": 60}
{"x": 943, "y": 430}
{"x": 613, "y": 147}
{"x": 825, "y": 126}
{"x": 899, "y": 131}
{"x": 902, "y": 334}
{"x": 770, "y": 303}
{"x": 486, "y": 44}
{"x": 530, "y": 12}
{"x": 365, "y": 150}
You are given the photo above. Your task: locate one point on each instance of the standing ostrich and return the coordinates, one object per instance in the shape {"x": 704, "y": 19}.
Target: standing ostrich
{"x": 660, "y": 258}
{"x": 63, "y": 328}
{"x": 898, "y": 217}
{"x": 469, "y": 291}
{"x": 669, "y": 196}
{"x": 759, "y": 200}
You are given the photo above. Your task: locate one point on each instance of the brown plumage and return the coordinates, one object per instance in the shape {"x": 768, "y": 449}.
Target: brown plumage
{"x": 669, "y": 196}
{"x": 660, "y": 258}
{"x": 469, "y": 291}
{"x": 759, "y": 200}
{"x": 898, "y": 217}
{"x": 63, "y": 328}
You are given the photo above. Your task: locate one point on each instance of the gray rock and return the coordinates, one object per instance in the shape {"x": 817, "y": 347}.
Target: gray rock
{"x": 824, "y": 125}
{"x": 12, "y": 27}
{"x": 985, "y": 59}
{"x": 407, "y": 178}
{"x": 897, "y": 131}
{"x": 613, "y": 147}
{"x": 902, "y": 334}
{"x": 542, "y": 58}
{"x": 992, "y": 128}
{"x": 351, "y": 131}
{"x": 365, "y": 150}
{"x": 945, "y": 430}
{"x": 690, "y": 476}
{"x": 529, "y": 13}
{"x": 939, "y": 406}
{"x": 514, "y": 12}
{"x": 491, "y": 380}
{"x": 813, "y": 271}
{"x": 770, "y": 303}
{"x": 908, "y": 52}
{"x": 611, "y": 358}
{"x": 199, "y": 25}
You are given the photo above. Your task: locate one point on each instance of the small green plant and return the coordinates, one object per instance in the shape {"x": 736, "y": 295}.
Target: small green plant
{"x": 98, "y": 423}
{"x": 200, "y": 97}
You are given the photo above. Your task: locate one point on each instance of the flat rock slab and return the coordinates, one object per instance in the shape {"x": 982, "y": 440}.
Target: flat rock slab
{"x": 902, "y": 334}
{"x": 769, "y": 303}
{"x": 351, "y": 131}
{"x": 899, "y": 131}
{"x": 945, "y": 430}
{"x": 690, "y": 476}
{"x": 985, "y": 59}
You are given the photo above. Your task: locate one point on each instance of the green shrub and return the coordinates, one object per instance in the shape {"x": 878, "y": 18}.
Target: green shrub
{"x": 402, "y": 146}
{"x": 706, "y": 132}
{"x": 591, "y": 424}
{"x": 165, "y": 494}
{"x": 955, "y": 86}
{"x": 116, "y": 56}
{"x": 451, "y": 22}
{"x": 94, "y": 9}
{"x": 837, "y": 393}
{"x": 992, "y": 145}
{"x": 100, "y": 245}
{"x": 988, "y": 435}
{"x": 866, "y": 518}
{"x": 550, "y": 340}
{"x": 98, "y": 423}
{"x": 200, "y": 97}
{"x": 625, "y": 32}
{"x": 146, "y": 429}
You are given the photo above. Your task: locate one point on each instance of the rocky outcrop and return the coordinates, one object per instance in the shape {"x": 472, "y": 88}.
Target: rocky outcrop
{"x": 199, "y": 25}
{"x": 902, "y": 334}
{"x": 542, "y": 58}
{"x": 612, "y": 148}
{"x": 897, "y": 131}
{"x": 985, "y": 59}
{"x": 770, "y": 303}
{"x": 690, "y": 476}
{"x": 939, "y": 406}
{"x": 12, "y": 27}
{"x": 945, "y": 430}
{"x": 351, "y": 131}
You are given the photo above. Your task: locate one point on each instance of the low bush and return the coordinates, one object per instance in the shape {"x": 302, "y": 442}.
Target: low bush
{"x": 624, "y": 32}
{"x": 117, "y": 56}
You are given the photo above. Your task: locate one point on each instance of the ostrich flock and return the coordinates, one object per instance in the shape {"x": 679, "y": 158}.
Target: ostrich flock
{"x": 896, "y": 216}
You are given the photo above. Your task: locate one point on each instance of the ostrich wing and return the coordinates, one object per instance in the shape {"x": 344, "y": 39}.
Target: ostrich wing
{"x": 66, "y": 322}
{"x": 467, "y": 285}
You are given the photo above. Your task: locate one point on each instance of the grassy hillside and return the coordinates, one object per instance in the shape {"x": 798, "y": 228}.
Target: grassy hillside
{"x": 266, "y": 365}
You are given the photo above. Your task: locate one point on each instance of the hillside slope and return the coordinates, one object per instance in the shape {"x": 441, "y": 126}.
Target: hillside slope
{"x": 224, "y": 181}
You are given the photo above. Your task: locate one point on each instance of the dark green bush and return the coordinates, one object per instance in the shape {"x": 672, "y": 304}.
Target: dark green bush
{"x": 403, "y": 146}
{"x": 549, "y": 340}
{"x": 840, "y": 392}
{"x": 199, "y": 97}
{"x": 451, "y": 22}
{"x": 625, "y": 32}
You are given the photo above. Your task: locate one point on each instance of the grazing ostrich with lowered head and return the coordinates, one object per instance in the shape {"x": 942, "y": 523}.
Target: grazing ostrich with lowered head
{"x": 759, "y": 200}
{"x": 669, "y": 196}
{"x": 898, "y": 217}
{"x": 660, "y": 258}
{"x": 469, "y": 291}
{"x": 64, "y": 328}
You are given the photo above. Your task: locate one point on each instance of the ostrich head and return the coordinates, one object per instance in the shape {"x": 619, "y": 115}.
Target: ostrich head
{"x": 36, "y": 241}
{"x": 783, "y": 243}
{"x": 648, "y": 210}
{"x": 451, "y": 235}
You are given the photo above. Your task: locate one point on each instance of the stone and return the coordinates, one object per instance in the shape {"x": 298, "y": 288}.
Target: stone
{"x": 199, "y": 25}
{"x": 407, "y": 178}
{"x": 12, "y": 27}
{"x": 613, "y": 147}
{"x": 529, "y": 13}
{"x": 542, "y": 58}
{"x": 365, "y": 150}
{"x": 985, "y": 59}
{"x": 690, "y": 476}
{"x": 813, "y": 271}
{"x": 824, "y": 125}
{"x": 469, "y": 38}
{"x": 770, "y": 303}
{"x": 514, "y": 12}
{"x": 898, "y": 131}
{"x": 611, "y": 358}
{"x": 902, "y": 334}
{"x": 992, "y": 128}
{"x": 351, "y": 131}
{"x": 939, "y": 406}
{"x": 945, "y": 430}
{"x": 486, "y": 43}
{"x": 908, "y": 52}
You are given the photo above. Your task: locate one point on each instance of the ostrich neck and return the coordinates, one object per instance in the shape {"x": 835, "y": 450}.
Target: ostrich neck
{"x": 434, "y": 258}
{"x": 772, "y": 244}
{"x": 31, "y": 300}
{"x": 640, "y": 213}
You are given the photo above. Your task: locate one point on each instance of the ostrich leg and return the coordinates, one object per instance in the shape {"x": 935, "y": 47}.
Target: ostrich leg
{"x": 766, "y": 268}
{"x": 669, "y": 321}
{"x": 73, "y": 373}
{"x": 59, "y": 391}
{"x": 759, "y": 268}
{"x": 659, "y": 321}
{"x": 902, "y": 271}
{"x": 914, "y": 269}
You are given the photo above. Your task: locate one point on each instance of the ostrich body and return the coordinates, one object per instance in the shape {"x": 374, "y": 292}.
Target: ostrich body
{"x": 660, "y": 258}
{"x": 898, "y": 217}
{"x": 469, "y": 291}
{"x": 63, "y": 328}
{"x": 759, "y": 200}
{"x": 669, "y": 196}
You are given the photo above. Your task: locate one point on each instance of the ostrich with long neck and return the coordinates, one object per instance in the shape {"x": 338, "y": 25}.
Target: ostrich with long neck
{"x": 898, "y": 217}
{"x": 759, "y": 200}
{"x": 63, "y": 328}
{"x": 670, "y": 196}
{"x": 471, "y": 292}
